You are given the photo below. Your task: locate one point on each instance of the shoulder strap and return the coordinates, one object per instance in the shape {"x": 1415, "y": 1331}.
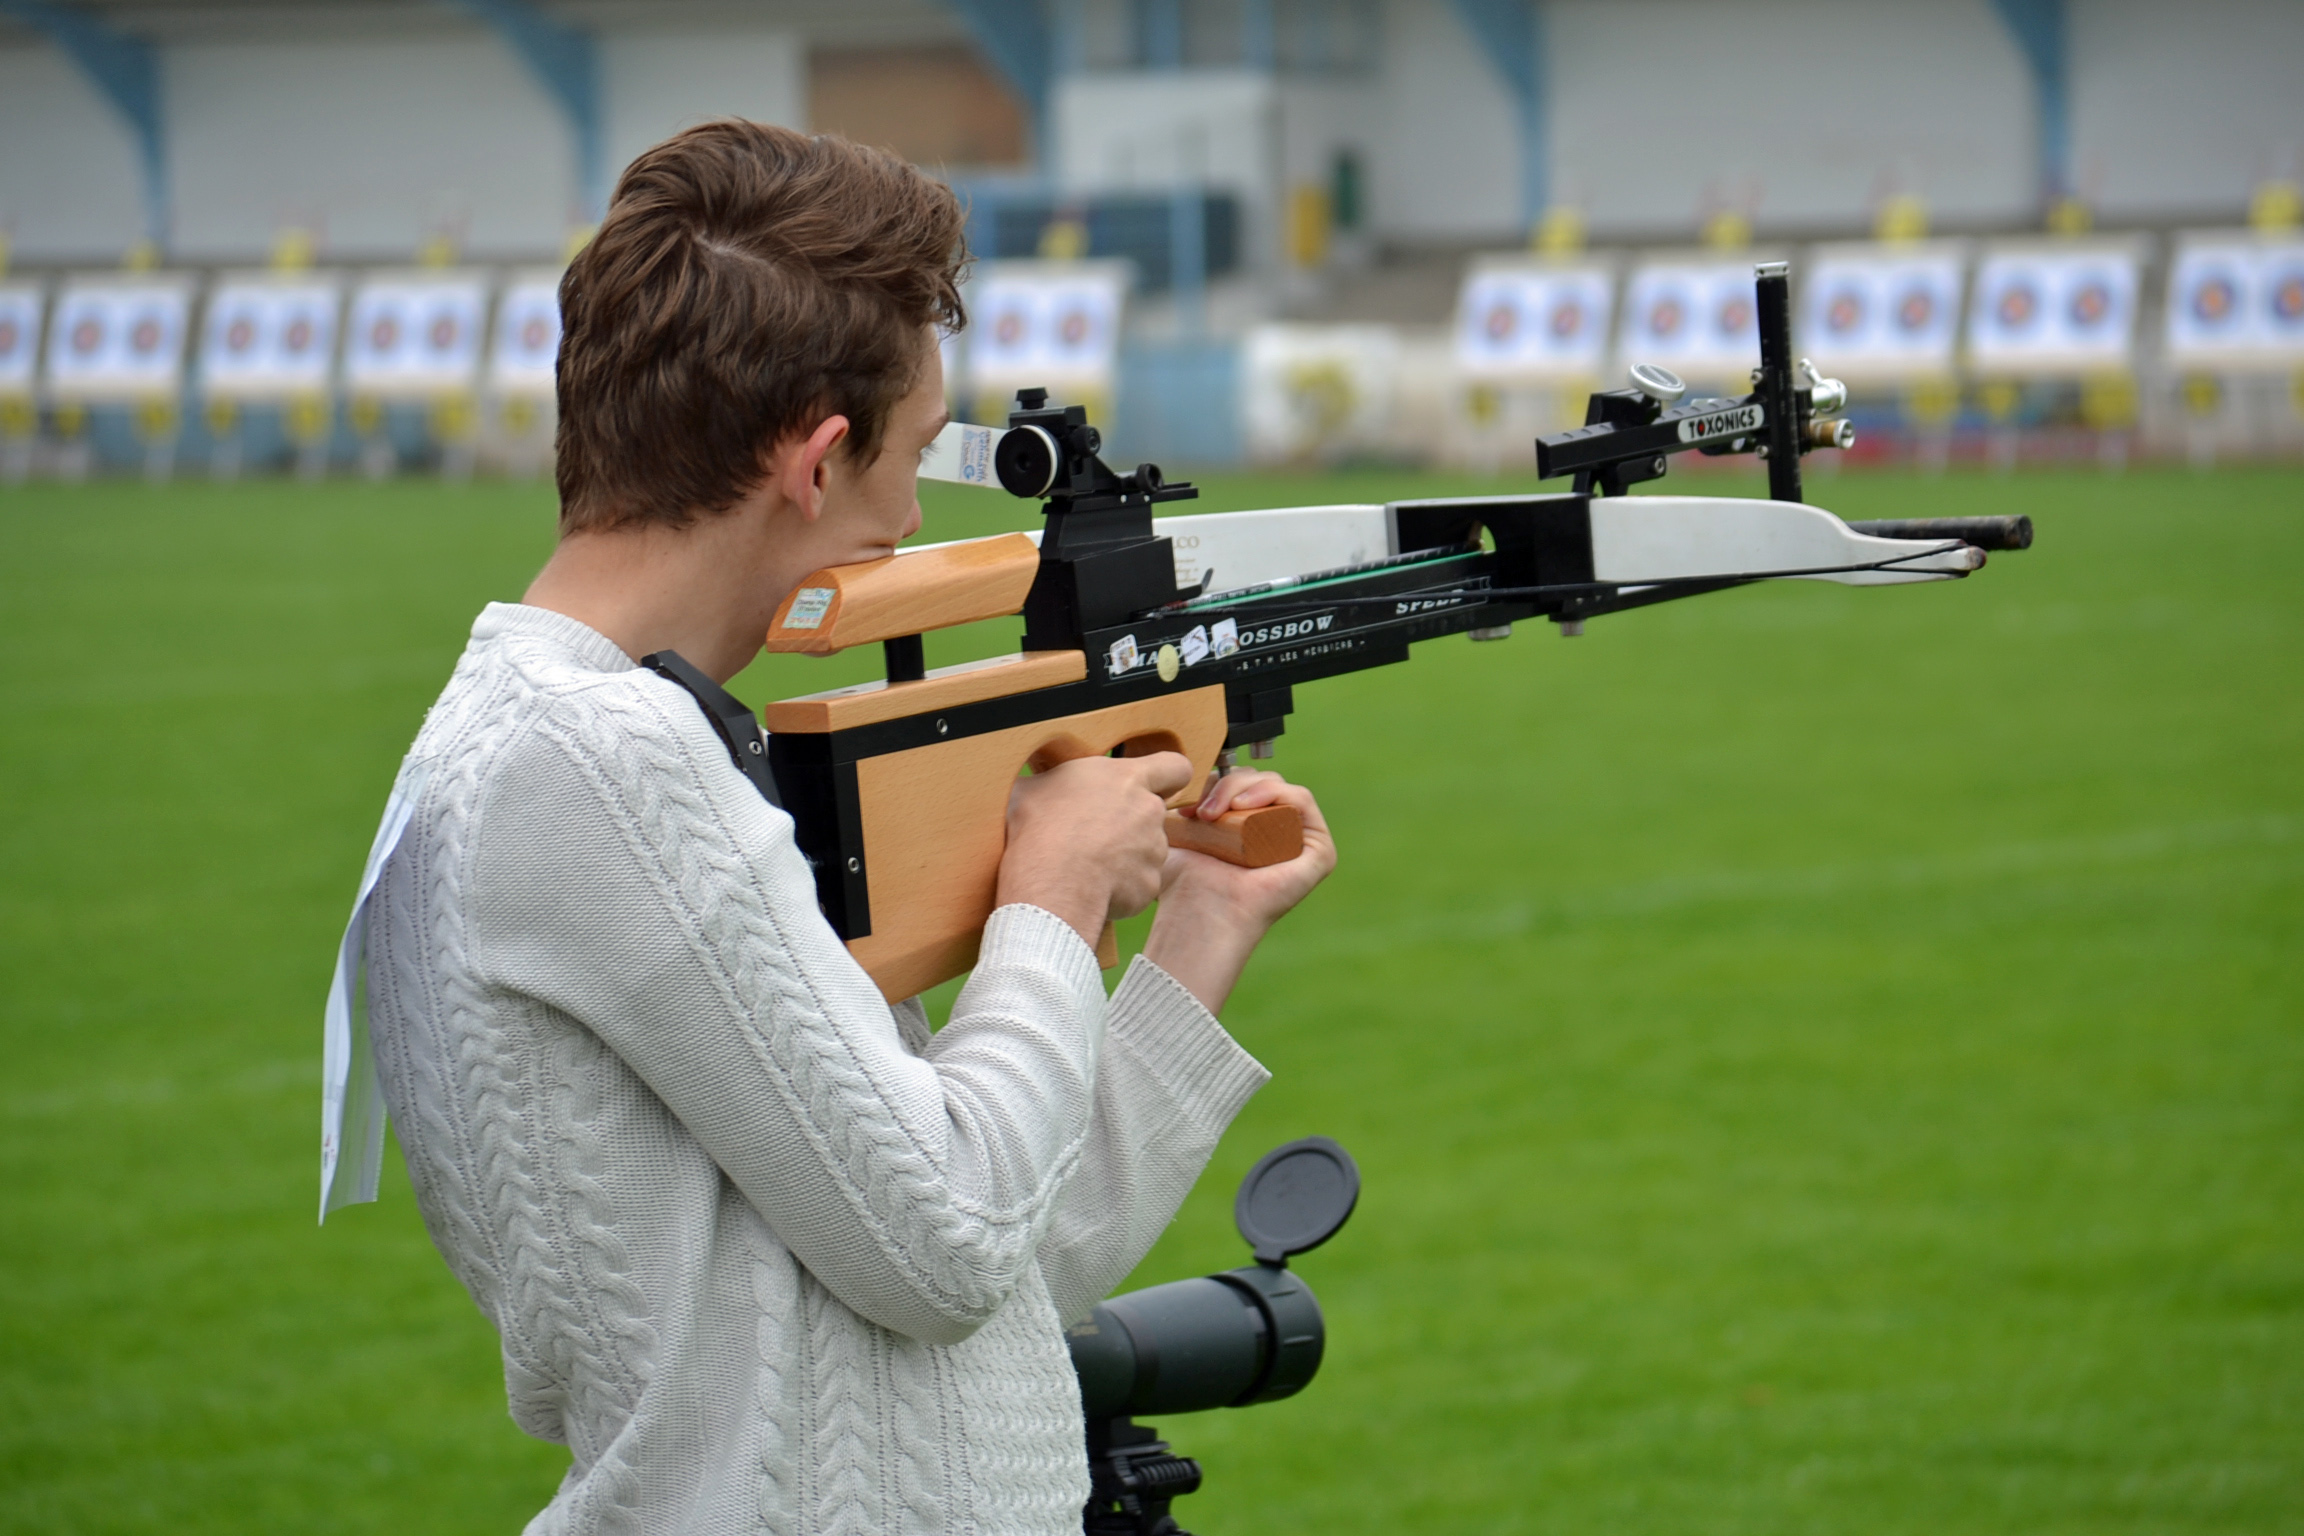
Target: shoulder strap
{"x": 738, "y": 727}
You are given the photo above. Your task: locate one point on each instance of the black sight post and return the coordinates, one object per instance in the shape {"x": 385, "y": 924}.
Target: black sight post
{"x": 1772, "y": 297}
{"x": 1629, "y": 435}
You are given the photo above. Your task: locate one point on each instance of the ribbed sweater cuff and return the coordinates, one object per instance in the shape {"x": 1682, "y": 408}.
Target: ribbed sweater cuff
{"x": 1158, "y": 1021}
{"x": 1025, "y": 935}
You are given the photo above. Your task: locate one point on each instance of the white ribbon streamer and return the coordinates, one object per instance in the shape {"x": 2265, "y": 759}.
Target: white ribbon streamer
{"x": 351, "y": 1099}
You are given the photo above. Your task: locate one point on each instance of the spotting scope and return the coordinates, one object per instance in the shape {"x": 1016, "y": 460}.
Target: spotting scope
{"x": 1248, "y": 1335}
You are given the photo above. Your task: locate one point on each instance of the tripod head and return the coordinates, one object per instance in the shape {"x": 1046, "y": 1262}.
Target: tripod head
{"x": 1249, "y": 1335}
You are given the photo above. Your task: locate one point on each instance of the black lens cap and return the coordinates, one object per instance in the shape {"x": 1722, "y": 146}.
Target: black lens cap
{"x": 1025, "y": 461}
{"x": 1296, "y": 1198}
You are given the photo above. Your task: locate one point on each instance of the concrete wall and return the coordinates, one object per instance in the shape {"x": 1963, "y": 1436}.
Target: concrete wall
{"x": 1803, "y": 112}
{"x": 1132, "y": 131}
{"x": 659, "y": 83}
{"x": 2179, "y": 111}
{"x": 373, "y": 145}
{"x": 1447, "y": 150}
{"x": 376, "y": 143}
{"x": 1806, "y": 112}
{"x": 69, "y": 184}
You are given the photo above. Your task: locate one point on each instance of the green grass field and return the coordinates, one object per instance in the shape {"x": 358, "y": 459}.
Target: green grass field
{"x": 1822, "y": 1061}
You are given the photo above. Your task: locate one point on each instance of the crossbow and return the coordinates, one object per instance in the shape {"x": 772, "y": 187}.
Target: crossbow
{"x": 1190, "y": 633}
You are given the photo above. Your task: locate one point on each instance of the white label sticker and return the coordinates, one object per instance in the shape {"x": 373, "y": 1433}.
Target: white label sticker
{"x": 1224, "y": 637}
{"x": 1735, "y": 423}
{"x": 961, "y": 454}
{"x": 809, "y": 608}
{"x": 1195, "y": 645}
{"x": 1124, "y": 655}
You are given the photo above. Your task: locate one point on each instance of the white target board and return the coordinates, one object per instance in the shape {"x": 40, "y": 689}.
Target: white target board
{"x": 20, "y": 307}
{"x": 1053, "y": 323}
{"x": 1314, "y": 391}
{"x": 268, "y": 337}
{"x": 1883, "y": 311}
{"x": 415, "y": 334}
{"x": 2054, "y": 309}
{"x": 2236, "y": 301}
{"x": 116, "y": 337}
{"x": 527, "y": 344}
{"x": 1533, "y": 323}
{"x": 1694, "y": 317}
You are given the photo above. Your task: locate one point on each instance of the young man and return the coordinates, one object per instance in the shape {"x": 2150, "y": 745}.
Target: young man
{"x": 765, "y": 1253}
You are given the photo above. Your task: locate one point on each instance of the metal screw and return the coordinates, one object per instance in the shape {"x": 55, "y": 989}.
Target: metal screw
{"x": 1260, "y": 750}
{"x": 943, "y": 728}
{"x": 1571, "y": 628}
{"x": 1491, "y": 632}
{"x": 855, "y": 866}
{"x": 753, "y": 747}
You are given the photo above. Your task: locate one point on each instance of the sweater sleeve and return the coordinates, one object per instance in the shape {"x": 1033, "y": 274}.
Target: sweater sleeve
{"x": 1169, "y": 1081}
{"x": 626, "y": 875}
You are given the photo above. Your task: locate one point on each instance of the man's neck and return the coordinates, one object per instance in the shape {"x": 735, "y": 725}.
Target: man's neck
{"x": 706, "y": 591}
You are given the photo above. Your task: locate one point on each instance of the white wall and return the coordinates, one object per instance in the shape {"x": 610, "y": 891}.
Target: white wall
{"x": 1659, "y": 110}
{"x": 375, "y": 143}
{"x": 1446, "y": 161}
{"x": 1662, "y": 110}
{"x": 658, "y": 83}
{"x": 2180, "y": 110}
{"x": 70, "y": 186}
{"x": 1150, "y": 131}
{"x": 1810, "y": 109}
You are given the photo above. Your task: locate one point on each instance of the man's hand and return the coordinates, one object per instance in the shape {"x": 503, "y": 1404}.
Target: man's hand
{"x": 1214, "y": 914}
{"x": 1087, "y": 839}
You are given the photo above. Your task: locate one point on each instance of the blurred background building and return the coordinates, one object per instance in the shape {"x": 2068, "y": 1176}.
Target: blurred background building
{"x": 1270, "y": 229}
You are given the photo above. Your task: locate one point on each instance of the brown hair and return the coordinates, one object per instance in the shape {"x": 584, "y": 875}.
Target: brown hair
{"x": 748, "y": 282}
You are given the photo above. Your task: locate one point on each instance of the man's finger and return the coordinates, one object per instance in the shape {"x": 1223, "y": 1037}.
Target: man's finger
{"x": 1243, "y": 790}
{"x": 1163, "y": 773}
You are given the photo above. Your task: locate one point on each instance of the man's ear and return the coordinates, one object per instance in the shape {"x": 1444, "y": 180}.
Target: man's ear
{"x": 801, "y": 473}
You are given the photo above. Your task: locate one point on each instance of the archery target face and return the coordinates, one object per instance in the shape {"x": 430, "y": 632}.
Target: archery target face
{"x": 2237, "y": 301}
{"x": 527, "y": 343}
{"x": 267, "y": 337}
{"x": 415, "y": 335}
{"x": 2054, "y": 309}
{"x": 2285, "y": 298}
{"x": 1046, "y": 322}
{"x": 1697, "y": 320}
{"x": 1844, "y": 314}
{"x": 1533, "y": 322}
{"x": 1881, "y": 311}
{"x": 19, "y": 336}
{"x": 114, "y": 338}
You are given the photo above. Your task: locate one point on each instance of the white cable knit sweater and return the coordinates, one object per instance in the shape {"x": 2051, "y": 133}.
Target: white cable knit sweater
{"x": 764, "y": 1253}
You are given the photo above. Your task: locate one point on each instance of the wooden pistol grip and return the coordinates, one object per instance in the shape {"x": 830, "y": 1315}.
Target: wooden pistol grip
{"x": 935, "y": 824}
{"x": 1269, "y": 834}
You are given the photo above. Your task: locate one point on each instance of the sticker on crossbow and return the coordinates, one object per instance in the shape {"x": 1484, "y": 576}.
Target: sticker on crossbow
{"x": 809, "y": 607}
{"x": 1195, "y": 644}
{"x": 1123, "y": 656}
{"x": 1224, "y": 637}
{"x": 1730, "y": 423}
